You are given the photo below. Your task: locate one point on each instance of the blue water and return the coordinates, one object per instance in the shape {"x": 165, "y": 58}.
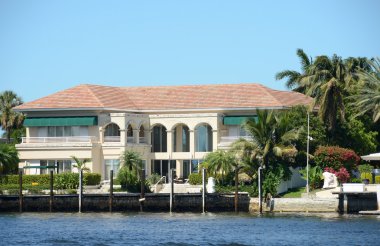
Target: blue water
{"x": 187, "y": 229}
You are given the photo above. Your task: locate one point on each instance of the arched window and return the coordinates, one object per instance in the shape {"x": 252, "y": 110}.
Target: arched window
{"x": 181, "y": 138}
{"x": 130, "y": 134}
{"x": 159, "y": 139}
{"x": 112, "y": 133}
{"x": 203, "y": 138}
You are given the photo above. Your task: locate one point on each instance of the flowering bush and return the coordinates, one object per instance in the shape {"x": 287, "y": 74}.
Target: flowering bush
{"x": 342, "y": 175}
{"x": 336, "y": 157}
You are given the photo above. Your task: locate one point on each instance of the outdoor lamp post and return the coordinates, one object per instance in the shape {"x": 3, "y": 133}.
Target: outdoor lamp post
{"x": 259, "y": 184}
{"x": 307, "y": 153}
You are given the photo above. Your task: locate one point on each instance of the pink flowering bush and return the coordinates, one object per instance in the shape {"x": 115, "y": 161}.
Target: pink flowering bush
{"x": 336, "y": 157}
{"x": 342, "y": 174}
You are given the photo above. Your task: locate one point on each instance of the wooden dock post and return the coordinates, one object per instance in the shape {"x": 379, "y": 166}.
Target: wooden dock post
{"x": 236, "y": 190}
{"x": 171, "y": 189}
{"x": 51, "y": 192}
{"x": 203, "y": 190}
{"x": 110, "y": 200}
{"x": 142, "y": 194}
{"x": 80, "y": 190}
{"x": 21, "y": 202}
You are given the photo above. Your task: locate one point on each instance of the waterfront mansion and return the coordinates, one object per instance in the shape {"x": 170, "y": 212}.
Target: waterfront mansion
{"x": 170, "y": 126}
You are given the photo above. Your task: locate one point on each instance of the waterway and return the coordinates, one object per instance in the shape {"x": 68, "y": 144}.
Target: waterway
{"x": 187, "y": 229}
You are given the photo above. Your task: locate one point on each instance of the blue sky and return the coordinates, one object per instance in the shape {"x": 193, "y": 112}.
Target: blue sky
{"x": 48, "y": 46}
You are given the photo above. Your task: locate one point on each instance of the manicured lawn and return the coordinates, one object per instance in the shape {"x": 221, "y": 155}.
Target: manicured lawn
{"x": 293, "y": 193}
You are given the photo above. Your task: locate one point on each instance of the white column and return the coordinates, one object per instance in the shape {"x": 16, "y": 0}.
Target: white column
{"x": 148, "y": 136}
{"x": 136, "y": 136}
{"x": 192, "y": 142}
{"x": 101, "y": 134}
{"x": 214, "y": 140}
{"x": 169, "y": 140}
{"x": 123, "y": 138}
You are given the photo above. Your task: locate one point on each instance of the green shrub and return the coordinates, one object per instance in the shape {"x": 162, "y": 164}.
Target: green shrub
{"x": 27, "y": 179}
{"x": 195, "y": 179}
{"x": 92, "y": 178}
{"x": 365, "y": 168}
{"x": 153, "y": 179}
{"x": 251, "y": 189}
{"x": 68, "y": 181}
{"x": 355, "y": 180}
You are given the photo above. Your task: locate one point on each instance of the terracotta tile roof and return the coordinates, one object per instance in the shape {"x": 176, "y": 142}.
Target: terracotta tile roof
{"x": 168, "y": 97}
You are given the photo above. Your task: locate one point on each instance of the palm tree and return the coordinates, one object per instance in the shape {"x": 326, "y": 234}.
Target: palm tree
{"x": 368, "y": 99}
{"x": 81, "y": 164}
{"x": 131, "y": 160}
{"x": 295, "y": 78}
{"x": 8, "y": 159}
{"x": 10, "y": 120}
{"x": 272, "y": 136}
{"x": 220, "y": 161}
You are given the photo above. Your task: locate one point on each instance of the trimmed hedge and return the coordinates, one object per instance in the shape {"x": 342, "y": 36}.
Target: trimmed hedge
{"x": 44, "y": 179}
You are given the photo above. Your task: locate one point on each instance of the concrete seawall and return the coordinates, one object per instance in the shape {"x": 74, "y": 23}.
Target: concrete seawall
{"x": 314, "y": 205}
{"x": 125, "y": 203}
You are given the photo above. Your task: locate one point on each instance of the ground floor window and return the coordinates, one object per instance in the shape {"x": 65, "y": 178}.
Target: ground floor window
{"x": 162, "y": 167}
{"x": 64, "y": 166}
{"x": 59, "y": 166}
{"x": 111, "y": 165}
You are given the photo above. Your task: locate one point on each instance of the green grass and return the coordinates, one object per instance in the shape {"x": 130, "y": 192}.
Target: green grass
{"x": 293, "y": 193}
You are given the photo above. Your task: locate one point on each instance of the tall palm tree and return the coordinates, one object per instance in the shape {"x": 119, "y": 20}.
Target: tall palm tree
{"x": 295, "y": 78}
{"x": 368, "y": 99}
{"x": 10, "y": 120}
{"x": 326, "y": 83}
{"x": 81, "y": 164}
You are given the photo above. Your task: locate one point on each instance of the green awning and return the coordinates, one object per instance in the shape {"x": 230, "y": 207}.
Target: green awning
{"x": 40, "y": 167}
{"x": 61, "y": 121}
{"x": 237, "y": 120}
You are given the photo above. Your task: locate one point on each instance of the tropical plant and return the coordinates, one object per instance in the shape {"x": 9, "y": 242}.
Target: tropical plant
{"x": 220, "y": 161}
{"x": 328, "y": 80}
{"x": 8, "y": 159}
{"x": 131, "y": 160}
{"x": 81, "y": 164}
{"x": 365, "y": 168}
{"x": 315, "y": 177}
{"x": 9, "y": 119}
{"x": 295, "y": 78}
{"x": 368, "y": 98}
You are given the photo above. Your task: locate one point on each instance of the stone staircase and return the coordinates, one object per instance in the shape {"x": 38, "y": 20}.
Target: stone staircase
{"x": 181, "y": 188}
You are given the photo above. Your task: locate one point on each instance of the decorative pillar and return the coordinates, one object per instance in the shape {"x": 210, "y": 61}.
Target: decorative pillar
{"x": 169, "y": 140}
{"x": 123, "y": 137}
{"x": 192, "y": 143}
{"x": 101, "y": 135}
{"x": 148, "y": 136}
{"x": 136, "y": 138}
{"x": 214, "y": 140}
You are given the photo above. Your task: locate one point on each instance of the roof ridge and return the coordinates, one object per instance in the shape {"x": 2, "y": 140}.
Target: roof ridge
{"x": 266, "y": 89}
{"x": 88, "y": 87}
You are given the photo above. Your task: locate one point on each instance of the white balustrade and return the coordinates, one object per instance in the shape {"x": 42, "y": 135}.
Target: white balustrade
{"x": 73, "y": 139}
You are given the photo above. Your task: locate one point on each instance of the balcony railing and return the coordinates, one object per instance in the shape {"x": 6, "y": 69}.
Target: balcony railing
{"x": 142, "y": 140}
{"x": 113, "y": 139}
{"x": 130, "y": 140}
{"x": 77, "y": 139}
{"x": 228, "y": 140}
